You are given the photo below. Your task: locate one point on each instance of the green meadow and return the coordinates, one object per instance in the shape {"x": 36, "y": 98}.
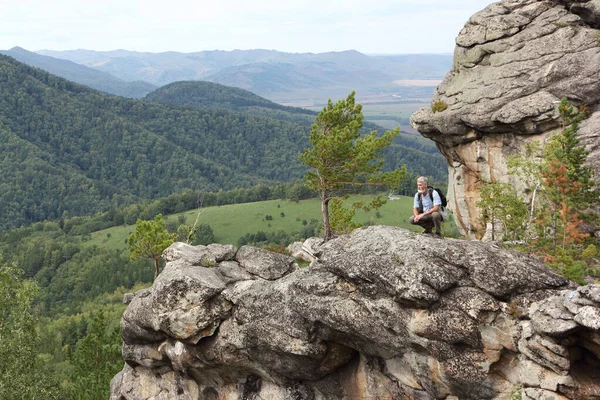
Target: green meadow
{"x": 230, "y": 222}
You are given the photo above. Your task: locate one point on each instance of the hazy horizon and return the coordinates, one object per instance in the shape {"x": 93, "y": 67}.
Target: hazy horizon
{"x": 257, "y": 49}
{"x": 385, "y": 27}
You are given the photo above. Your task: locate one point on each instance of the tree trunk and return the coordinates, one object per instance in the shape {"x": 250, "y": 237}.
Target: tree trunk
{"x": 493, "y": 226}
{"x": 155, "y": 268}
{"x": 531, "y": 212}
{"x": 555, "y": 226}
{"x": 325, "y": 211}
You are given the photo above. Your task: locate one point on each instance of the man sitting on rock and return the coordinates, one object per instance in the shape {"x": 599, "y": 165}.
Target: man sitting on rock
{"x": 426, "y": 211}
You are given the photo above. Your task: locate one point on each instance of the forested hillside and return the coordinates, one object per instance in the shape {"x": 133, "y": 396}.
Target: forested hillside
{"x": 419, "y": 154}
{"x": 70, "y": 149}
{"x": 213, "y": 96}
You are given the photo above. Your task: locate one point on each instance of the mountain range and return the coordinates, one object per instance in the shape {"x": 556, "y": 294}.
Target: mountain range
{"x": 90, "y": 77}
{"x": 278, "y": 76}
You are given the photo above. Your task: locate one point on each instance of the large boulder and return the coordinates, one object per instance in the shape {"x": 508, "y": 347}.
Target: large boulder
{"x": 381, "y": 313}
{"x": 513, "y": 63}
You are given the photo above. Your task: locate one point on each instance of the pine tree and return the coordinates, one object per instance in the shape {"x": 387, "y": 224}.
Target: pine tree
{"x": 341, "y": 157}
{"x": 564, "y": 150}
{"x": 149, "y": 240}
{"x": 563, "y": 192}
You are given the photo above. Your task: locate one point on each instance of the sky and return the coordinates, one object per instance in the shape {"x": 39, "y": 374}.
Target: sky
{"x": 295, "y": 26}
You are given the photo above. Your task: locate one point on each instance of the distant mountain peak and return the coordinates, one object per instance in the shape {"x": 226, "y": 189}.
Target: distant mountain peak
{"x": 19, "y": 49}
{"x": 99, "y": 80}
{"x": 209, "y": 95}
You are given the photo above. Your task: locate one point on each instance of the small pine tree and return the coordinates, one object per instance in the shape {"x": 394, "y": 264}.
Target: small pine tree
{"x": 149, "y": 240}
{"x": 563, "y": 189}
{"x": 567, "y": 176}
{"x": 340, "y": 157}
{"x": 500, "y": 206}
{"x": 341, "y": 217}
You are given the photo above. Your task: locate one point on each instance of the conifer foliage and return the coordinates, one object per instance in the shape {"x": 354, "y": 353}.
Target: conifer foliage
{"x": 562, "y": 192}
{"x": 149, "y": 240}
{"x": 95, "y": 360}
{"x": 341, "y": 157}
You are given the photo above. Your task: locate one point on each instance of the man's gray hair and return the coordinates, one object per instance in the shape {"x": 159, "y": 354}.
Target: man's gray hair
{"x": 423, "y": 179}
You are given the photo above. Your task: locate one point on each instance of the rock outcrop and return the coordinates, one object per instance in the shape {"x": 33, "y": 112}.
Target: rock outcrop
{"x": 381, "y": 313}
{"x": 513, "y": 63}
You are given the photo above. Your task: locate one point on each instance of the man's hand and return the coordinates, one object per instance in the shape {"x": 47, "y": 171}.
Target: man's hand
{"x": 418, "y": 217}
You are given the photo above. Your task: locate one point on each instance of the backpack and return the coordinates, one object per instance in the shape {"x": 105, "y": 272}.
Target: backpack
{"x": 430, "y": 189}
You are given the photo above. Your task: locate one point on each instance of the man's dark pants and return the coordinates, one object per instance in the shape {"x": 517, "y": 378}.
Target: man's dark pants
{"x": 429, "y": 221}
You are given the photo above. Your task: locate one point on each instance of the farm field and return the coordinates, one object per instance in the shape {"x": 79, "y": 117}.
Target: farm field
{"x": 387, "y": 114}
{"x": 230, "y": 222}
{"x": 390, "y": 115}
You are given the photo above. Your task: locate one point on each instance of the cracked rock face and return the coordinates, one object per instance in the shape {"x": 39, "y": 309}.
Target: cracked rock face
{"x": 513, "y": 63}
{"x": 381, "y": 313}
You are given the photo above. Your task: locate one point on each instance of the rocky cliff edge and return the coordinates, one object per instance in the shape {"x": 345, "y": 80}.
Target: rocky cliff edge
{"x": 381, "y": 313}
{"x": 513, "y": 62}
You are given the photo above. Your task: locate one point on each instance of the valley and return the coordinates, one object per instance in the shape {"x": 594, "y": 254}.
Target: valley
{"x": 85, "y": 154}
{"x": 187, "y": 213}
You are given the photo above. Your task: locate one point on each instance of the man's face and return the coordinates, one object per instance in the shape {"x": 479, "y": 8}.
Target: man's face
{"x": 421, "y": 187}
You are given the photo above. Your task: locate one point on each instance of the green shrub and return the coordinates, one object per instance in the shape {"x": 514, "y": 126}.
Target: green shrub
{"x": 515, "y": 394}
{"x": 591, "y": 251}
{"x": 439, "y": 106}
{"x": 575, "y": 271}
